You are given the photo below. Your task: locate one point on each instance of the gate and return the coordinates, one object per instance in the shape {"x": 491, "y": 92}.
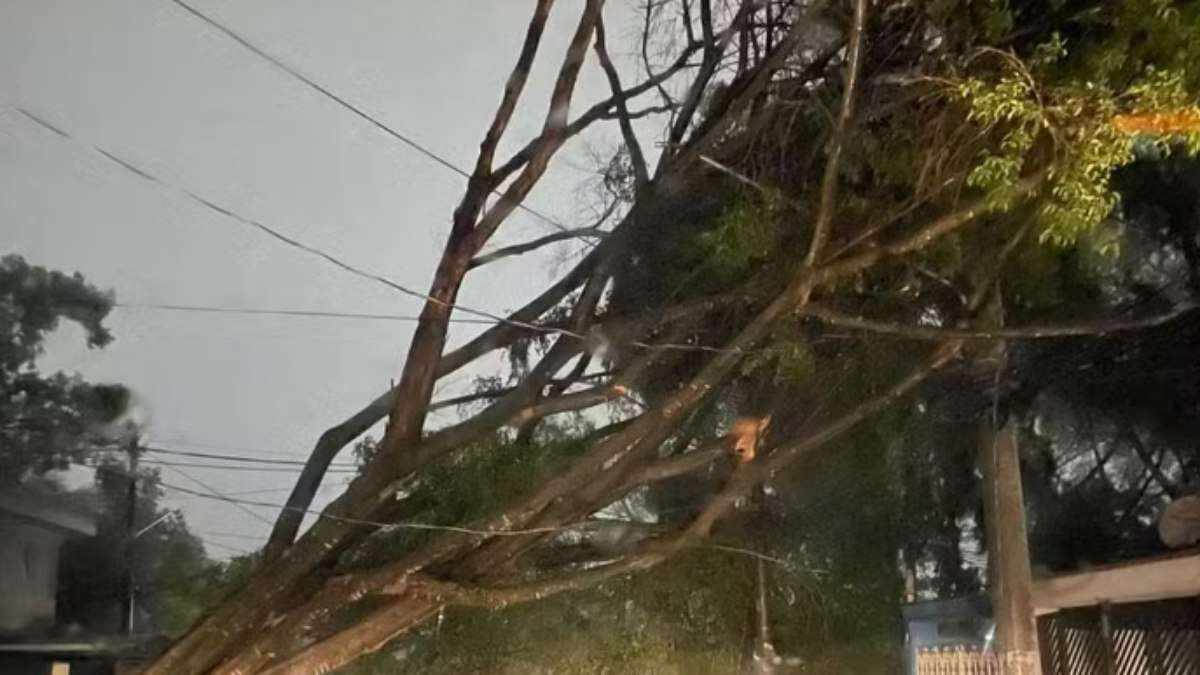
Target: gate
{"x": 1151, "y": 638}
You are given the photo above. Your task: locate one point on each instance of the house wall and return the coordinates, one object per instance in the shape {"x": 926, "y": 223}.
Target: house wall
{"x": 28, "y": 575}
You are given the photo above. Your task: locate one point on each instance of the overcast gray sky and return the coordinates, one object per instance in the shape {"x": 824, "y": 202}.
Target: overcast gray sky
{"x": 145, "y": 80}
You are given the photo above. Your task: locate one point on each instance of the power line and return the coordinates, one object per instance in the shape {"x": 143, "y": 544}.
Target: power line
{"x": 209, "y": 493}
{"x": 244, "y": 42}
{"x": 491, "y": 318}
{"x": 130, "y": 167}
{"x": 209, "y": 309}
{"x": 253, "y": 514}
{"x": 231, "y": 535}
{"x": 263, "y": 491}
{"x": 240, "y": 458}
{"x": 227, "y": 547}
{"x": 373, "y": 523}
{"x": 238, "y": 467}
{"x": 245, "y": 451}
{"x": 334, "y": 260}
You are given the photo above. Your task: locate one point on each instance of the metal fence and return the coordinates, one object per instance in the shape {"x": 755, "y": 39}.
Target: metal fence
{"x": 956, "y": 661}
{"x": 1153, "y": 638}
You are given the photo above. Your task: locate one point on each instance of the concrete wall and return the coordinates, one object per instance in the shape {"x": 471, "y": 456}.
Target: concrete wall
{"x": 28, "y": 575}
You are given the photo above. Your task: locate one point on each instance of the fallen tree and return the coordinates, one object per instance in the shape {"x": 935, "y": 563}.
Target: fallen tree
{"x": 865, "y": 157}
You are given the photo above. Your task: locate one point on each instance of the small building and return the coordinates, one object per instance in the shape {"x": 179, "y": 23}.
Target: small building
{"x": 34, "y": 524}
{"x": 951, "y": 624}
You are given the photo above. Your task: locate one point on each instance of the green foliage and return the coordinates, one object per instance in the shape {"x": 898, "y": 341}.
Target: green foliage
{"x": 745, "y": 234}
{"x": 476, "y": 479}
{"x": 1066, "y": 101}
{"x": 788, "y": 361}
{"x": 47, "y": 421}
{"x": 688, "y": 619}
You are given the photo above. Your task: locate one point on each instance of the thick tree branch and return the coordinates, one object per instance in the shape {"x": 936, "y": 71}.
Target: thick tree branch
{"x": 602, "y": 468}
{"x": 512, "y": 89}
{"x": 206, "y": 643}
{"x": 656, "y": 551}
{"x": 337, "y": 437}
{"x": 323, "y": 453}
{"x": 679, "y": 465}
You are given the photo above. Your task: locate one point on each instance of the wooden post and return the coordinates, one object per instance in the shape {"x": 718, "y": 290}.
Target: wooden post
{"x": 1008, "y": 554}
{"x": 127, "y": 596}
{"x": 1106, "y": 638}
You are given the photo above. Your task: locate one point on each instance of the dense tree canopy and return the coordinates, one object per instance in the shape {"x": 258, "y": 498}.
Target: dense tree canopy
{"x": 871, "y": 229}
{"x": 49, "y": 420}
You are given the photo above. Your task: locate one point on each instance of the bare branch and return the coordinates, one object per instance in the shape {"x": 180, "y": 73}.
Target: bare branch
{"x": 554, "y": 130}
{"x": 638, "y": 114}
{"x": 679, "y": 465}
{"x": 746, "y": 180}
{"x": 520, "y": 249}
{"x": 930, "y": 232}
{"x": 490, "y": 394}
{"x": 579, "y": 400}
{"x": 640, "y": 172}
{"x": 829, "y": 181}
{"x": 714, "y": 48}
{"x": 602, "y": 109}
{"x": 647, "y": 24}
{"x": 1088, "y": 328}
{"x": 746, "y": 88}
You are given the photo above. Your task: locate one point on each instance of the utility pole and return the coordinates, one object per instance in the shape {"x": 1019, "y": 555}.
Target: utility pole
{"x": 1008, "y": 553}
{"x": 127, "y": 603}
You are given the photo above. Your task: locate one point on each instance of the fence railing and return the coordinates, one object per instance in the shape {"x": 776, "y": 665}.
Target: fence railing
{"x": 956, "y": 661}
{"x": 1153, "y": 638}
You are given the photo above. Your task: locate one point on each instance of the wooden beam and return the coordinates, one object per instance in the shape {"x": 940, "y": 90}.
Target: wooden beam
{"x": 1172, "y": 576}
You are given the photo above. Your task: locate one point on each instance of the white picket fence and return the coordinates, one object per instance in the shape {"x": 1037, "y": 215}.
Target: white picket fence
{"x": 957, "y": 661}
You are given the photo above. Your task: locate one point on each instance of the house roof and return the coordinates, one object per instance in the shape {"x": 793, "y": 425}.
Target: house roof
{"x": 949, "y": 608}
{"x": 32, "y": 503}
